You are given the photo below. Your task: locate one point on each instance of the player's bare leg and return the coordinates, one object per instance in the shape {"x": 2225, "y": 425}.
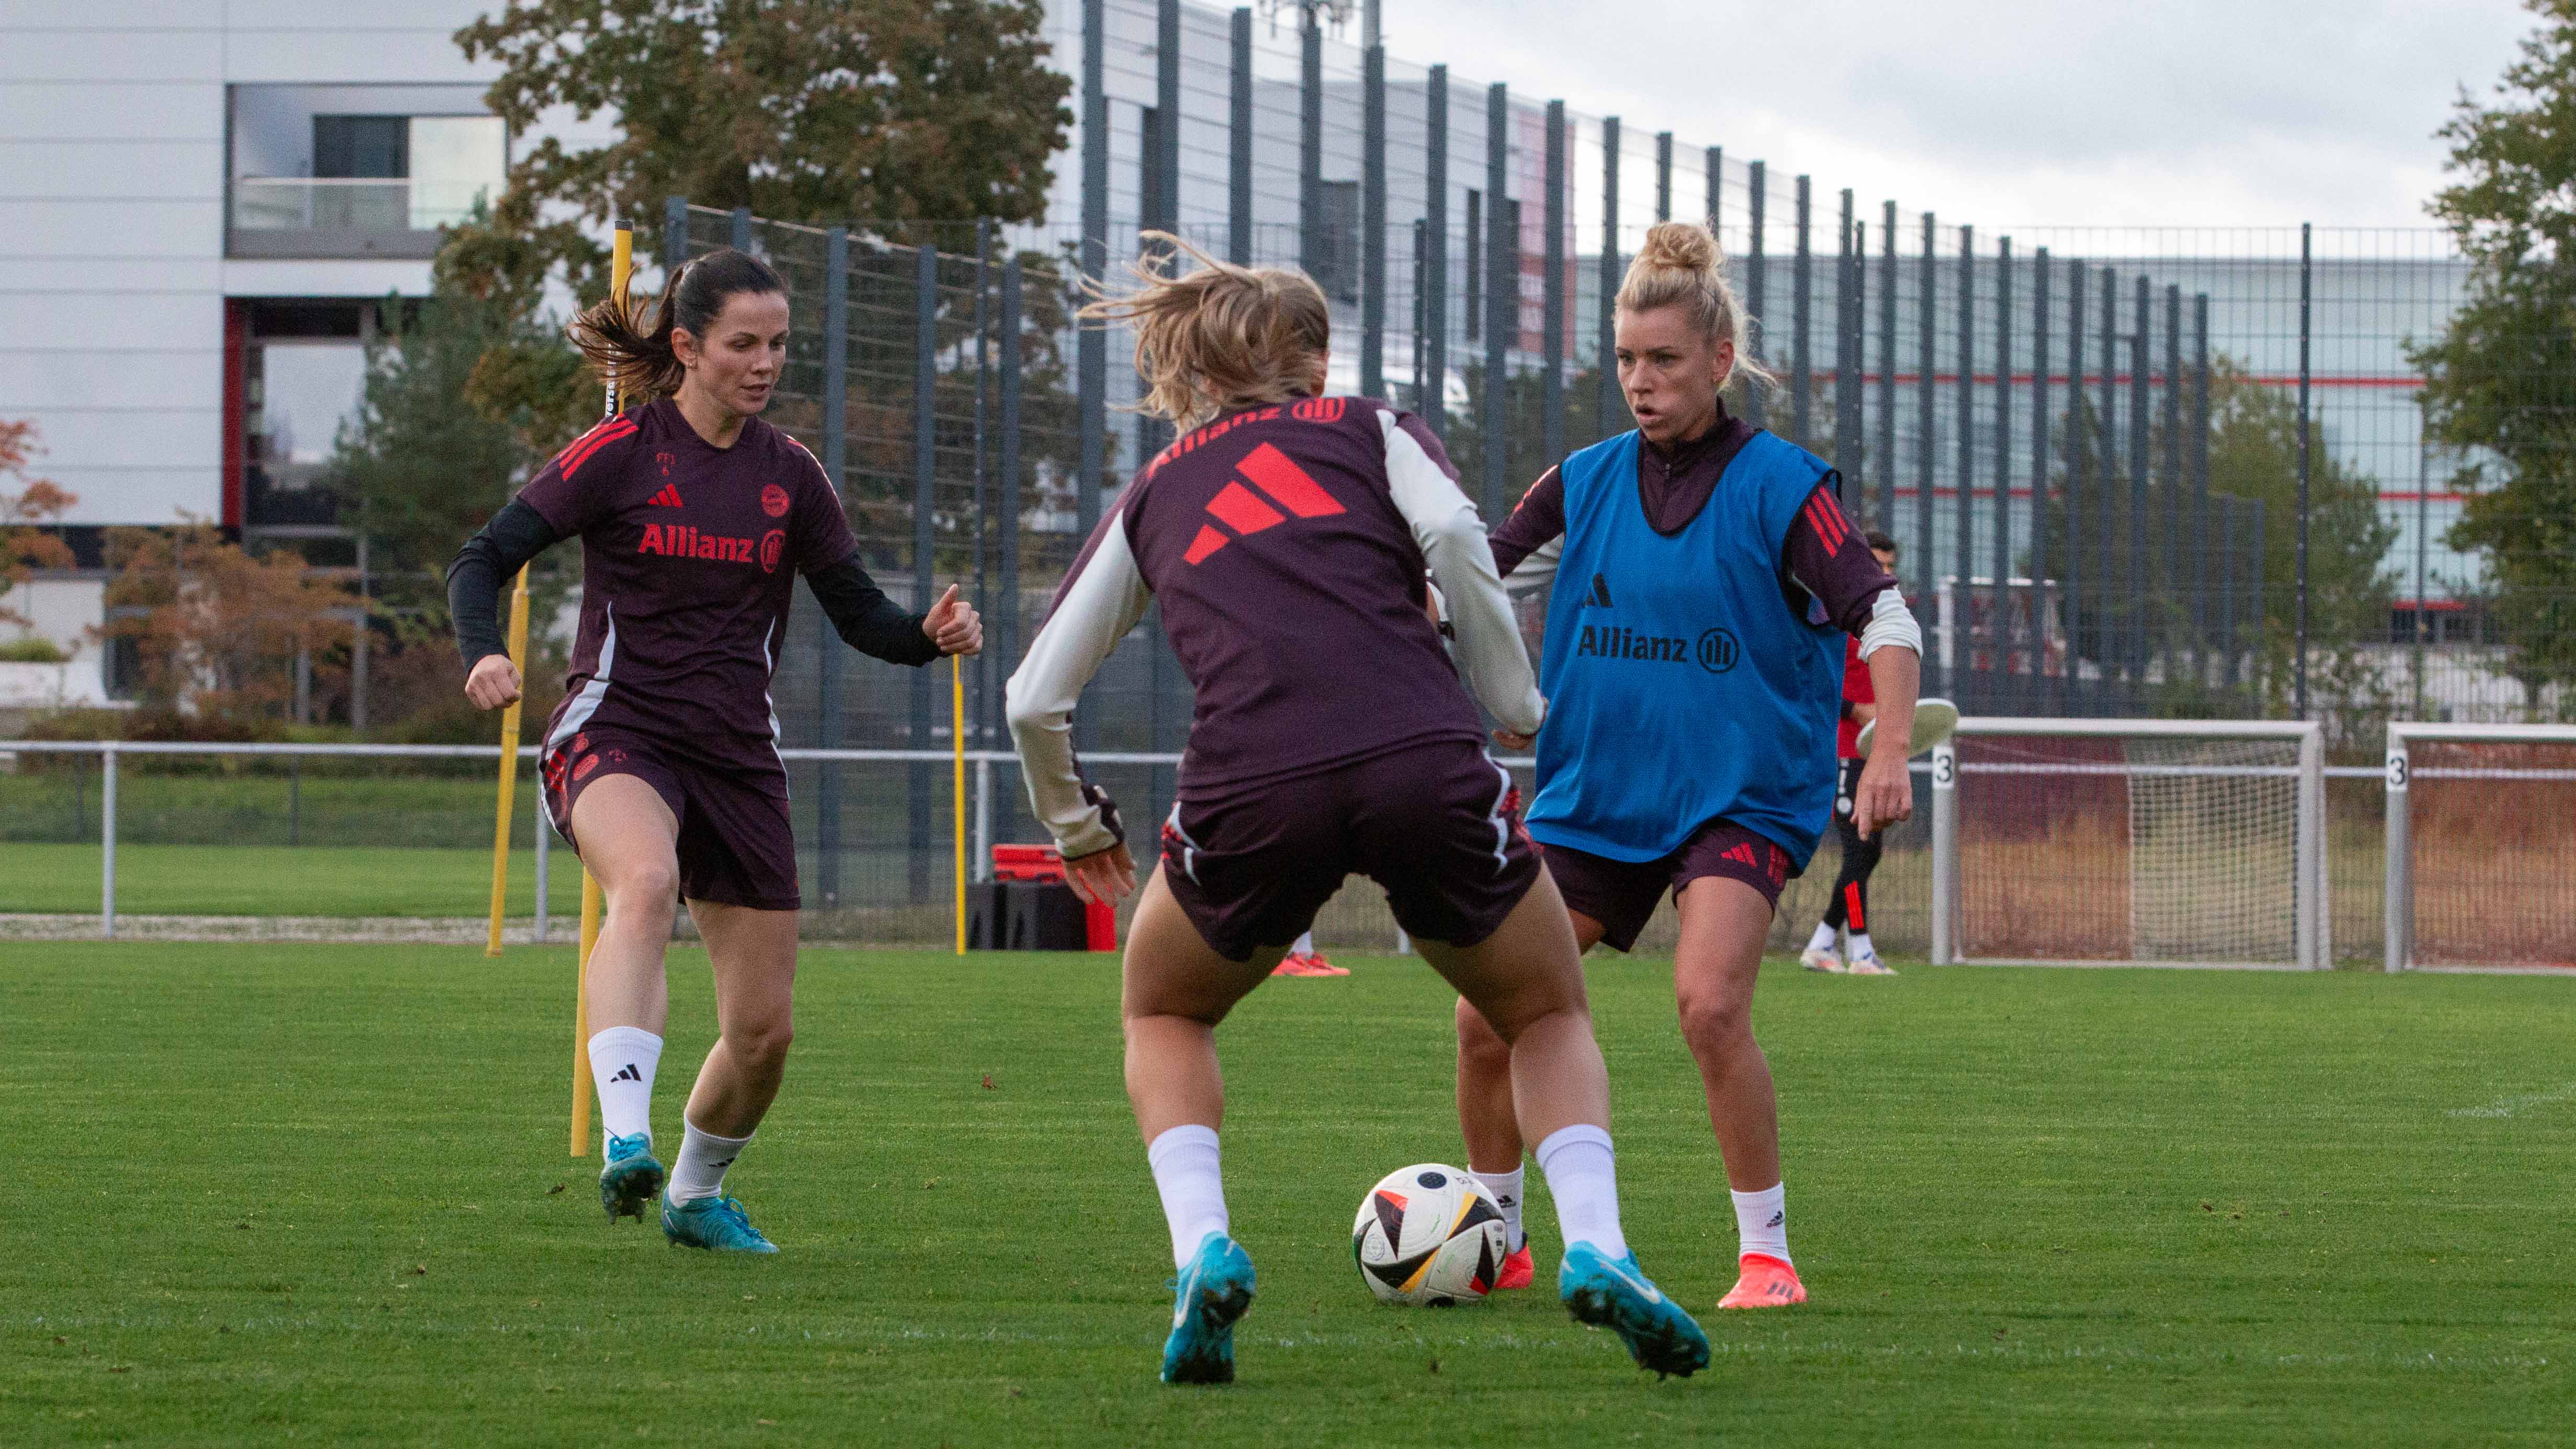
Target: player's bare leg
{"x": 1487, "y": 1121}
{"x": 1174, "y": 989}
{"x": 1525, "y": 982}
{"x": 1724, "y": 924}
{"x": 754, "y": 955}
{"x": 629, "y": 844}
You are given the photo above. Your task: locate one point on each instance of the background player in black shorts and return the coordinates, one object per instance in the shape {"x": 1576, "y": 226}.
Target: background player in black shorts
{"x": 1285, "y": 535}
{"x": 661, "y": 766}
{"x": 1849, "y": 907}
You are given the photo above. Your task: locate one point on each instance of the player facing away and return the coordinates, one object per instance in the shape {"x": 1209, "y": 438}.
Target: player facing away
{"x": 1285, "y": 534}
{"x": 661, "y": 765}
{"x": 1848, "y": 910}
{"x": 1704, "y": 572}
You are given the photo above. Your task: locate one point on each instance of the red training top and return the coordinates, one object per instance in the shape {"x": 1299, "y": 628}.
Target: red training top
{"x": 1857, "y": 689}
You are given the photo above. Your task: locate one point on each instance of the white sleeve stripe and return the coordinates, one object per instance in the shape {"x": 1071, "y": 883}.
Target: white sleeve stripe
{"x": 1452, "y": 539}
{"x": 1104, "y": 601}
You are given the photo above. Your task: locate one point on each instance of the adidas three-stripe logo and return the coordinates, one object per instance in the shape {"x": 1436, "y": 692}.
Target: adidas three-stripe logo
{"x": 669, "y": 497}
{"x": 627, "y": 1073}
{"x": 1280, "y": 481}
{"x": 571, "y": 459}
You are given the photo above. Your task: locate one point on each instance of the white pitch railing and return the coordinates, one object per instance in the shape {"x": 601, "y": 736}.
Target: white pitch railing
{"x": 2401, "y": 773}
{"x": 2311, "y": 947}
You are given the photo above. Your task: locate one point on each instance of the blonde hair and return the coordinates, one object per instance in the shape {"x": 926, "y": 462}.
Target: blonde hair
{"x": 1681, "y": 266}
{"x": 1218, "y": 337}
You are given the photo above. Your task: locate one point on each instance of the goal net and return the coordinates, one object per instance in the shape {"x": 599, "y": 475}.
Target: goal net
{"x": 2130, "y": 840}
{"x": 2478, "y": 871}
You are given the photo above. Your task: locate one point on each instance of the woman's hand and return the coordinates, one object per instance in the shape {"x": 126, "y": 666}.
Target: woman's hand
{"x": 1886, "y": 793}
{"x": 955, "y": 627}
{"x": 1511, "y": 741}
{"x": 1106, "y": 876}
{"x": 493, "y": 682}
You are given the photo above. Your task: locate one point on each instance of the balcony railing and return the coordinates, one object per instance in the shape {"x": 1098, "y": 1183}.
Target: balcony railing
{"x": 307, "y": 216}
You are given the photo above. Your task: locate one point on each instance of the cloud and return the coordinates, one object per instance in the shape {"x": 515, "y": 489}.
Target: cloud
{"x": 2216, "y": 112}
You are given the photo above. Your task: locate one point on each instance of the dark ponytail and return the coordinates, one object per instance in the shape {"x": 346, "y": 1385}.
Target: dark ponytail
{"x": 639, "y": 358}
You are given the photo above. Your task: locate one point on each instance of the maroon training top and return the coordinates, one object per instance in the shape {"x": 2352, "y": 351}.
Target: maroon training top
{"x": 689, "y": 558}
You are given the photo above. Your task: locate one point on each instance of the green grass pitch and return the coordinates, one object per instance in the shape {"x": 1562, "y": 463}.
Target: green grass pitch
{"x": 263, "y": 1194}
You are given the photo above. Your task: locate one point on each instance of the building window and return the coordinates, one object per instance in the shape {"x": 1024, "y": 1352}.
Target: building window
{"x": 356, "y": 171}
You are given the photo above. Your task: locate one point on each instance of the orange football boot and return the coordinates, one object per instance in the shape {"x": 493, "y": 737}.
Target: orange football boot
{"x": 1517, "y": 1269}
{"x": 1764, "y": 1282}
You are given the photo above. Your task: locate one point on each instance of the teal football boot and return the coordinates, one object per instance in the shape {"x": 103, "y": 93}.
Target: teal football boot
{"x": 1208, "y": 1296}
{"x": 718, "y": 1224}
{"x": 1610, "y": 1293}
{"x": 631, "y": 1179}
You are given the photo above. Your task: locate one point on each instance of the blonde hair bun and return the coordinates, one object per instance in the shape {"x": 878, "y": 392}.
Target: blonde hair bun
{"x": 1681, "y": 266}
{"x": 1679, "y": 246}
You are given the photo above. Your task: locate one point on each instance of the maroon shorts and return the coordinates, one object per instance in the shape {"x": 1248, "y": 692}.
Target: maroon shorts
{"x": 1437, "y": 824}
{"x": 1622, "y": 894}
{"x": 735, "y": 847}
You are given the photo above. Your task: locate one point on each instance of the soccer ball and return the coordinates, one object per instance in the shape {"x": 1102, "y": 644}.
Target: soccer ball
{"x": 1429, "y": 1234}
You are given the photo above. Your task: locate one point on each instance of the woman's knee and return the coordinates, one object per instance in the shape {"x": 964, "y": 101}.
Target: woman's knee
{"x": 761, "y": 1041}
{"x": 1477, "y": 1039}
{"x": 644, "y": 891}
{"x": 1715, "y": 1021}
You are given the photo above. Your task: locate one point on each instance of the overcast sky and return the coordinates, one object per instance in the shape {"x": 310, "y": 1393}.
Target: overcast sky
{"x": 2021, "y": 112}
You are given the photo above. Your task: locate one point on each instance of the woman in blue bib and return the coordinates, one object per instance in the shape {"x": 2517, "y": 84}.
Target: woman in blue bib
{"x": 1705, "y": 577}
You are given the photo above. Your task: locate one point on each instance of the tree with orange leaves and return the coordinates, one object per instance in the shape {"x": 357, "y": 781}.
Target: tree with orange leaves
{"x": 24, "y": 547}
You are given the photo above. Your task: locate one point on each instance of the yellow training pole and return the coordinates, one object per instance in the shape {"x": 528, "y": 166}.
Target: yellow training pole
{"x": 621, "y": 265}
{"x": 509, "y": 766}
{"x": 957, "y": 739}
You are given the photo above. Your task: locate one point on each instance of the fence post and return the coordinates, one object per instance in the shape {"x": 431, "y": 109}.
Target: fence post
{"x": 1238, "y": 147}
{"x": 1801, "y": 293}
{"x": 1926, "y": 577}
{"x": 1310, "y": 141}
{"x": 1663, "y": 176}
{"x": 1608, "y": 406}
{"x": 1885, "y": 517}
{"x": 1999, "y": 604}
{"x": 1552, "y": 292}
{"x": 1502, "y": 300}
{"x": 1008, "y": 620}
{"x": 827, "y": 642}
{"x": 675, "y": 232}
{"x": 983, "y": 820}
{"x": 1372, "y": 222}
{"x": 2079, "y": 465}
{"x": 1756, "y": 282}
{"x": 1964, "y": 515}
{"x": 925, "y": 481}
{"x": 1846, "y": 354}
{"x": 2399, "y": 911}
{"x": 1091, "y": 345}
{"x": 740, "y": 240}
{"x": 2225, "y": 631}
{"x": 985, "y": 664}
{"x": 2259, "y": 612}
{"x": 2200, "y": 478}
{"x": 1433, "y": 280}
{"x": 2041, "y": 460}
{"x": 2169, "y": 621}
{"x": 1945, "y": 853}
{"x": 2142, "y": 314}
{"x": 2112, "y": 629}
{"x": 107, "y": 840}
{"x": 2315, "y": 923}
{"x": 2306, "y": 426}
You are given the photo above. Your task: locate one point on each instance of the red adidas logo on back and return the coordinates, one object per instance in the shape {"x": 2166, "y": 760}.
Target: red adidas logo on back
{"x": 669, "y": 497}
{"x": 1280, "y": 481}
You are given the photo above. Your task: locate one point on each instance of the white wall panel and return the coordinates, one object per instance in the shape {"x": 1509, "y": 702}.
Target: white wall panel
{"x": 418, "y": 55}
{"x": 113, "y": 229}
{"x": 143, "y": 495}
{"x": 112, "y": 170}
{"x": 170, "y": 377}
{"x": 115, "y": 15}
{"x": 128, "y": 438}
{"x": 113, "y": 55}
{"x": 356, "y": 278}
{"x": 58, "y": 323}
{"x": 112, "y": 111}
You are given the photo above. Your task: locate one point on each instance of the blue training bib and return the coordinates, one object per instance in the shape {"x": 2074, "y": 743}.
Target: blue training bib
{"x": 1683, "y": 682}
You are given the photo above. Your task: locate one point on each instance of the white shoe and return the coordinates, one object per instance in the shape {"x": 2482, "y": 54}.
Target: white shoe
{"x": 1817, "y": 958}
{"x": 1868, "y": 965}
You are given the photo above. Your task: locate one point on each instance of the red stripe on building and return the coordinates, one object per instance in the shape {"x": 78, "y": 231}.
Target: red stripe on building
{"x": 236, "y": 446}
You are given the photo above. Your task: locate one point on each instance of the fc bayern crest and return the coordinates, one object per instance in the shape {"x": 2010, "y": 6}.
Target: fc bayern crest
{"x": 773, "y": 501}
{"x": 772, "y": 545}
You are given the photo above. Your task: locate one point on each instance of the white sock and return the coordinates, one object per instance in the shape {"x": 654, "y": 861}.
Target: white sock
{"x": 1506, "y": 1188}
{"x": 1184, "y": 1160}
{"x": 704, "y": 1156}
{"x": 1823, "y": 940}
{"x": 1861, "y": 949}
{"x": 1305, "y": 945}
{"x": 622, "y": 1059}
{"x": 1583, "y": 1178}
{"x": 1762, "y": 1222}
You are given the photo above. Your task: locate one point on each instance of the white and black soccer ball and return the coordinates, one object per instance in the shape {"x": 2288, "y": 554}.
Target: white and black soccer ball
{"x": 1429, "y": 1234}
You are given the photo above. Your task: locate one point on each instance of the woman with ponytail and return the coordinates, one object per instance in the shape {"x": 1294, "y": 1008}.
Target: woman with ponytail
{"x": 1705, "y": 574}
{"x": 661, "y": 765}
{"x": 1286, "y": 535}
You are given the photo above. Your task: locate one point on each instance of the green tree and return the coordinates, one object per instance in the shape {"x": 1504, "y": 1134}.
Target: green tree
{"x": 2501, "y": 378}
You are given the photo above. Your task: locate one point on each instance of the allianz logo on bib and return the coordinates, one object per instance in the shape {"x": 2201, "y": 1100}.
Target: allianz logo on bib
{"x": 1715, "y": 650}
{"x": 679, "y": 540}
